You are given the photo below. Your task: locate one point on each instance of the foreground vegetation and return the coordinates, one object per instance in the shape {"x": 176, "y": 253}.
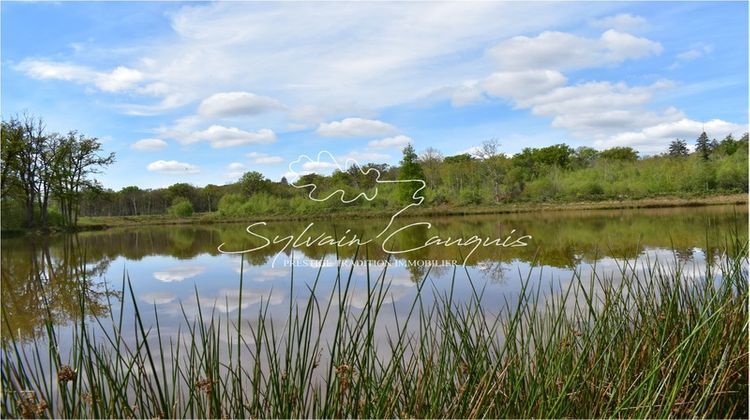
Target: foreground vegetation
{"x": 671, "y": 342}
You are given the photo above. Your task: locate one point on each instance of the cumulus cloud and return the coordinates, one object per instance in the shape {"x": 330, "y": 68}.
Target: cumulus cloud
{"x": 235, "y": 170}
{"x": 588, "y": 109}
{"x": 264, "y": 159}
{"x": 565, "y": 51}
{"x": 655, "y": 138}
{"x": 365, "y": 157}
{"x": 355, "y": 127}
{"x": 172, "y": 167}
{"x": 396, "y": 141}
{"x": 120, "y": 79}
{"x": 158, "y": 298}
{"x": 42, "y": 69}
{"x": 318, "y": 166}
{"x": 149, "y": 145}
{"x": 695, "y": 52}
{"x": 230, "y": 104}
{"x": 220, "y": 137}
{"x": 270, "y": 274}
{"x": 227, "y": 47}
{"x": 597, "y": 108}
{"x": 522, "y": 85}
{"x": 179, "y": 273}
{"x": 531, "y": 78}
{"x": 622, "y": 22}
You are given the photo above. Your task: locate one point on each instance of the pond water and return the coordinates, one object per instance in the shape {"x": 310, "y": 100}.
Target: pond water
{"x": 168, "y": 266}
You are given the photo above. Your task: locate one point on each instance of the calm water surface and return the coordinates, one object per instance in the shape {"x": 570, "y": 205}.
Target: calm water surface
{"x": 168, "y": 265}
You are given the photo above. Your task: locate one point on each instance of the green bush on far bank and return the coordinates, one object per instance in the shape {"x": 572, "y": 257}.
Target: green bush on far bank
{"x": 181, "y": 208}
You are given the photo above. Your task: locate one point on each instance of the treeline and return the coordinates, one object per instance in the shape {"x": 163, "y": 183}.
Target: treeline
{"x": 485, "y": 178}
{"x": 47, "y": 179}
{"x": 45, "y": 175}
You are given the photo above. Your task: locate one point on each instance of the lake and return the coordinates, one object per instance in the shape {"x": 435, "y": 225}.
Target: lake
{"x": 169, "y": 265}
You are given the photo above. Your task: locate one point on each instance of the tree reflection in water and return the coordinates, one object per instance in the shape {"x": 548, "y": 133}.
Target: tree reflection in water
{"x": 43, "y": 273}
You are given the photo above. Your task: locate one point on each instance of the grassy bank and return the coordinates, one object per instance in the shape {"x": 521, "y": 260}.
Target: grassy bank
{"x": 671, "y": 343}
{"x": 103, "y": 222}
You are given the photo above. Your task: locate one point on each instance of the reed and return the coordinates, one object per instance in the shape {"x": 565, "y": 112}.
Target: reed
{"x": 666, "y": 342}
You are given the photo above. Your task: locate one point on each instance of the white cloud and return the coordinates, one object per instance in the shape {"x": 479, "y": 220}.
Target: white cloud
{"x": 318, "y": 70}
{"x": 622, "y": 22}
{"x": 264, "y": 159}
{"x": 599, "y": 109}
{"x": 561, "y": 50}
{"x": 473, "y": 151}
{"x": 319, "y": 166}
{"x": 363, "y": 157}
{"x": 521, "y": 85}
{"x": 591, "y": 110}
{"x": 120, "y": 79}
{"x": 271, "y": 274}
{"x": 320, "y": 63}
{"x": 220, "y": 137}
{"x": 42, "y": 69}
{"x": 656, "y": 138}
{"x": 396, "y": 141}
{"x": 268, "y": 160}
{"x": 149, "y": 145}
{"x": 532, "y": 79}
{"x": 179, "y": 273}
{"x": 355, "y": 127}
{"x": 235, "y": 170}
{"x": 695, "y": 52}
{"x": 228, "y": 300}
{"x": 158, "y": 298}
{"x": 468, "y": 93}
{"x": 172, "y": 167}
{"x": 228, "y": 104}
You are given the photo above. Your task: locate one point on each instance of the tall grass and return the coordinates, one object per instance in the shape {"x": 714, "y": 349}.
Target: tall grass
{"x": 666, "y": 343}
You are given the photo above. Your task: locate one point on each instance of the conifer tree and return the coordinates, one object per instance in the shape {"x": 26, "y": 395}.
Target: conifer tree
{"x": 703, "y": 146}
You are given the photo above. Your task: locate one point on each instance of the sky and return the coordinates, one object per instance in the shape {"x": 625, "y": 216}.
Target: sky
{"x": 203, "y": 92}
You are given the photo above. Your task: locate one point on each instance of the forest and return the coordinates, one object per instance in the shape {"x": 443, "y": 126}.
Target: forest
{"x": 49, "y": 179}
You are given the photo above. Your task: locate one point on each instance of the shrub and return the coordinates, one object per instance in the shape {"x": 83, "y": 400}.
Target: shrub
{"x": 181, "y": 208}
{"x": 229, "y": 205}
{"x": 470, "y": 197}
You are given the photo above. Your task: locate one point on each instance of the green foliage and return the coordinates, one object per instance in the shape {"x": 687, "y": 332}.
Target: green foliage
{"x": 252, "y": 182}
{"x": 230, "y": 204}
{"x": 181, "y": 207}
{"x": 644, "y": 346}
{"x": 235, "y": 205}
{"x": 470, "y": 197}
{"x": 41, "y": 168}
{"x": 678, "y": 148}
{"x": 410, "y": 169}
{"x": 620, "y": 153}
{"x": 584, "y": 157}
{"x": 489, "y": 177}
{"x": 703, "y": 146}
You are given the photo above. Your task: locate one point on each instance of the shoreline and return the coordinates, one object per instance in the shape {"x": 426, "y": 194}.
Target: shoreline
{"x": 107, "y": 222}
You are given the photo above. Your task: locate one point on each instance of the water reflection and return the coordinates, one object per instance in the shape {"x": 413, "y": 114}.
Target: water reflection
{"x": 41, "y": 274}
{"x": 167, "y": 265}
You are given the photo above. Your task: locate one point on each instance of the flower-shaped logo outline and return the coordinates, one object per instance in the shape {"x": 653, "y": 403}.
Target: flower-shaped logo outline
{"x": 419, "y": 199}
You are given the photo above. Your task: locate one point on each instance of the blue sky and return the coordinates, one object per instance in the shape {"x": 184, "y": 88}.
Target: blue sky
{"x": 202, "y": 92}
